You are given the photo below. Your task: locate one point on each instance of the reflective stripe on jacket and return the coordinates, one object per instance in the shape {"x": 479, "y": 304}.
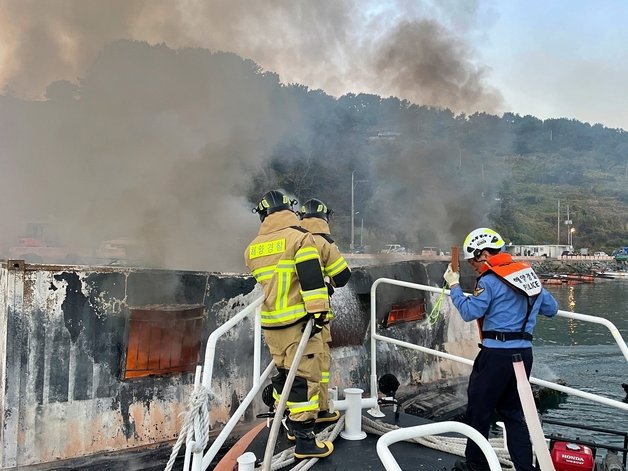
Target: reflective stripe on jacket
{"x": 275, "y": 258}
{"x": 334, "y": 265}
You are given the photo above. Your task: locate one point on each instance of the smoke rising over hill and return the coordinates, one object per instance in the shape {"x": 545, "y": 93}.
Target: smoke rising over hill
{"x": 419, "y": 55}
{"x": 121, "y": 139}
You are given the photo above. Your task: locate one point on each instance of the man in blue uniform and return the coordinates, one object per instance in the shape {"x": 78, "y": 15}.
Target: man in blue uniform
{"x": 506, "y": 301}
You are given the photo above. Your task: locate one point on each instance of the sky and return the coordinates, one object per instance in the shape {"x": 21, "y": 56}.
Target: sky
{"x": 550, "y": 59}
{"x": 560, "y": 58}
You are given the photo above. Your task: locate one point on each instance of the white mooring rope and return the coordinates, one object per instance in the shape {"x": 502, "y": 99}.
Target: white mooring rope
{"x": 451, "y": 445}
{"x": 195, "y": 429}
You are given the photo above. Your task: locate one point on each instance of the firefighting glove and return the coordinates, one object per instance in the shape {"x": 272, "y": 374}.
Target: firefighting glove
{"x": 451, "y": 277}
{"x": 319, "y": 322}
{"x": 330, "y": 289}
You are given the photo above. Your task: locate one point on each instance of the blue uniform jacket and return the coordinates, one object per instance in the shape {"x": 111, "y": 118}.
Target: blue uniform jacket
{"x": 503, "y": 309}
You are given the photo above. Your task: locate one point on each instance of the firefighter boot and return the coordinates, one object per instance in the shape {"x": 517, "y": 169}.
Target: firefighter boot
{"x": 307, "y": 445}
{"x": 289, "y": 426}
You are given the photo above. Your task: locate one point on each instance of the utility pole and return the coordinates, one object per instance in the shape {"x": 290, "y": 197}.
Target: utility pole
{"x": 568, "y": 223}
{"x": 352, "y": 212}
{"x": 558, "y": 235}
{"x": 353, "y": 183}
{"x": 362, "y": 233}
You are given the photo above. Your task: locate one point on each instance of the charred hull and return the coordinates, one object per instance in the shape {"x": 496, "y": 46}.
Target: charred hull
{"x": 102, "y": 359}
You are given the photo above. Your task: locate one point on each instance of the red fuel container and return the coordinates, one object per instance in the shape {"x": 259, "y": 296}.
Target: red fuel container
{"x": 572, "y": 457}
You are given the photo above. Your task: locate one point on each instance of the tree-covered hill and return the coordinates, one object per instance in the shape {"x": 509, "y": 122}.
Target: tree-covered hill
{"x": 433, "y": 175}
{"x": 173, "y": 147}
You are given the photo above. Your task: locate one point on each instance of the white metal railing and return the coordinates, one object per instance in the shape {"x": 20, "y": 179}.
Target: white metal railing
{"x": 548, "y": 384}
{"x": 402, "y": 434}
{"x": 201, "y": 461}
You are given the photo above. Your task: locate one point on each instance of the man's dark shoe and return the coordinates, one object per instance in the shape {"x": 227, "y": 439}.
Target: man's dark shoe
{"x": 326, "y": 416}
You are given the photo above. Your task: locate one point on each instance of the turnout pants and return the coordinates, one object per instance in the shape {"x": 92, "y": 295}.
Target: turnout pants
{"x": 325, "y": 367}
{"x": 303, "y": 401}
{"x": 493, "y": 387}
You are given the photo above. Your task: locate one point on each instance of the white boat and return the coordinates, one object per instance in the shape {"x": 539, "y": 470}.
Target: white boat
{"x": 613, "y": 274}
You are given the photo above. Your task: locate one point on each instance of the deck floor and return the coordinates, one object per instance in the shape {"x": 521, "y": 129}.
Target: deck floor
{"x": 362, "y": 455}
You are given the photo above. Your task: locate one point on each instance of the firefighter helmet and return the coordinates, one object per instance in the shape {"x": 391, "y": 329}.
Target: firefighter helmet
{"x": 271, "y": 202}
{"x": 480, "y": 239}
{"x": 315, "y": 208}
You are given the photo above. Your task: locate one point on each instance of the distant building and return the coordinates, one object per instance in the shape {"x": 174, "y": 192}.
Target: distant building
{"x": 385, "y": 136}
{"x": 545, "y": 250}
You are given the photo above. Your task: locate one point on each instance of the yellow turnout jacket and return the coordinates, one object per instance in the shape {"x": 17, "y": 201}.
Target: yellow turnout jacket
{"x": 284, "y": 259}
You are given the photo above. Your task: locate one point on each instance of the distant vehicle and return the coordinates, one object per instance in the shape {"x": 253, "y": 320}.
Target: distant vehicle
{"x": 393, "y": 248}
{"x": 600, "y": 254}
{"x": 567, "y": 253}
{"x": 40, "y": 244}
{"x": 621, "y": 254}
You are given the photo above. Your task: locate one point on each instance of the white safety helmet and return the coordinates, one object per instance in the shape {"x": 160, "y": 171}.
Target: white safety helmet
{"x": 480, "y": 239}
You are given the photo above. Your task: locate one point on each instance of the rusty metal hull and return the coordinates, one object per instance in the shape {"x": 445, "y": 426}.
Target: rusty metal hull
{"x": 63, "y": 343}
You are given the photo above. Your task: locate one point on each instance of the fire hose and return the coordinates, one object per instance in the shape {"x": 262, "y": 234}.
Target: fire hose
{"x": 274, "y": 431}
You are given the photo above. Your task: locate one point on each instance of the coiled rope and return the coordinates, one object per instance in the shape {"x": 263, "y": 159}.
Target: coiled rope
{"x": 451, "y": 445}
{"x": 195, "y": 429}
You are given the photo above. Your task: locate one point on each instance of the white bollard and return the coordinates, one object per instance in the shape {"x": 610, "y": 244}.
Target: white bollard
{"x": 246, "y": 461}
{"x": 353, "y": 416}
{"x": 353, "y": 403}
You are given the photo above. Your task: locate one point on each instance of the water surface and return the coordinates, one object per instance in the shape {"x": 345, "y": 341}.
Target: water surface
{"x": 586, "y": 356}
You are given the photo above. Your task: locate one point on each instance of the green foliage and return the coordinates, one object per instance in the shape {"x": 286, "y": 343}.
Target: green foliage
{"x": 201, "y": 125}
{"x": 432, "y": 173}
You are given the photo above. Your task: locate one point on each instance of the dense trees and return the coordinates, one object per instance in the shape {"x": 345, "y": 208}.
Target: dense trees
{"x": 206, "y": 129}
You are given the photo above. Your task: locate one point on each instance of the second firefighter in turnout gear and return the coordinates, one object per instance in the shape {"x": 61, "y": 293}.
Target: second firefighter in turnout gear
{"x": 506, "y": 301}
{"x": 284, "y": 260}
{"x": 315, "y": 217}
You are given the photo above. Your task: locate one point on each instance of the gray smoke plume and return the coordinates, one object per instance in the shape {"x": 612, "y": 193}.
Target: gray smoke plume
{"x": 122, "y": 140}
{"x": 404, "y": 49}
{"x": 422, "y": 62}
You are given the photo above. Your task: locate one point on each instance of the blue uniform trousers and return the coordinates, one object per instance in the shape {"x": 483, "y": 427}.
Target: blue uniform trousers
{"x": 493, "y": 388}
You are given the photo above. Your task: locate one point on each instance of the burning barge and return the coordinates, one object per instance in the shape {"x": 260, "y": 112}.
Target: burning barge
{"x": 100, "y": 360}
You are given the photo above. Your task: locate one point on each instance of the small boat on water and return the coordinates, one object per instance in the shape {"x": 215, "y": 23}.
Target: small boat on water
{"x": 567, "y": 278}
{"x": 377, "y": 432}
{"x": 559, "y": 281}
{"x": 613, "y": 274}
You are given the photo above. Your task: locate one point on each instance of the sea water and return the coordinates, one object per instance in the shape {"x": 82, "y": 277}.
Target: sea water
{"x": 586, "y": 357}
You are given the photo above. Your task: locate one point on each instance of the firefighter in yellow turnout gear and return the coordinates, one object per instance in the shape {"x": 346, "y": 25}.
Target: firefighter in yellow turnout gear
{"x": 284, "y": 260}
{"x": 315, "y": 217}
